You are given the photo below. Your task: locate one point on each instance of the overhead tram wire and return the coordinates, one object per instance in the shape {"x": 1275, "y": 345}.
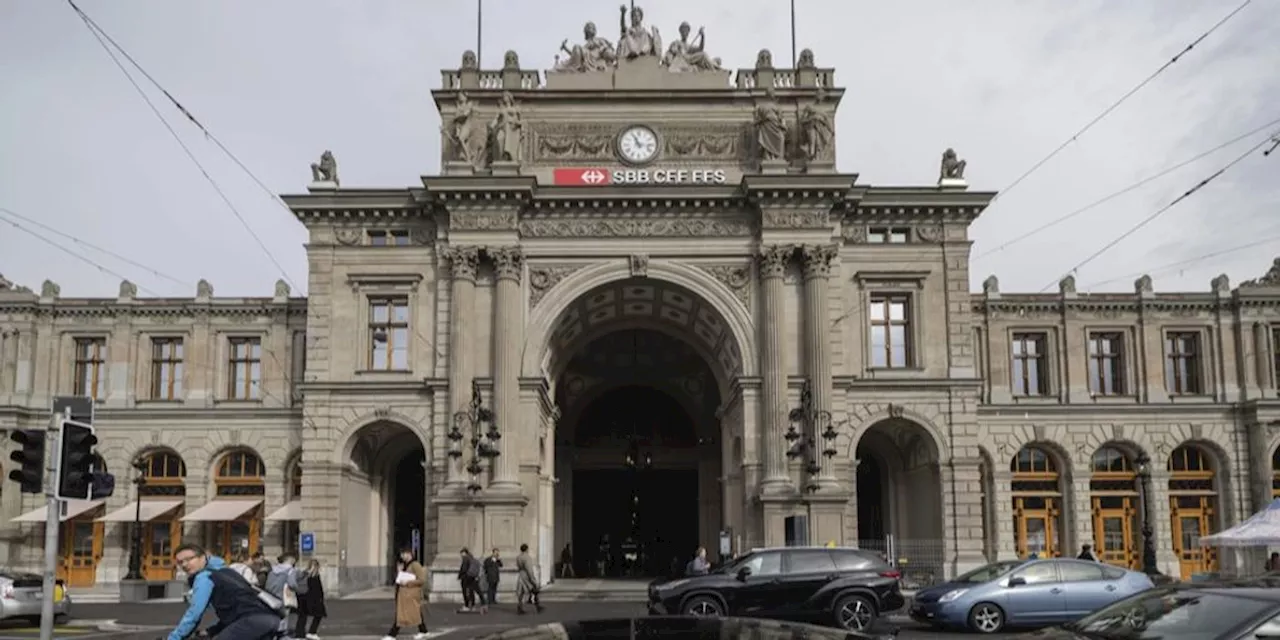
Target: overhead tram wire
{"x": 4, "y": 212}
{"x": 1136, "y": 185}
{"x": 1162, "y": 210}
{"x": 107, "y": 43}
{"x": 77, "y": 256}
{"x": 1175, "y": 266}
{"x": 1124, "y": 98}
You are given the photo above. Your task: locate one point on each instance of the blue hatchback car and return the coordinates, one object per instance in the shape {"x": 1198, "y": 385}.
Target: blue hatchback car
{"x": 1025, "y": 594}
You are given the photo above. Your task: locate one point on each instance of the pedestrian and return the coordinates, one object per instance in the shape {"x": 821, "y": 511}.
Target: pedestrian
{"x": 282, "y": 583}
{"x": 410, "y": 578}
{"x": 469, "y": 577}
{"x": 492, "y": 573}
{"x": 566, "y": 562}
{"x": 698, "y": 566}
{"x": 310, "y": 602}
{"x": 241, "y": 564}
{"x": 527, "y": 587}
{"x": 261, "y": 567}
{"x": 1086, "y": 553}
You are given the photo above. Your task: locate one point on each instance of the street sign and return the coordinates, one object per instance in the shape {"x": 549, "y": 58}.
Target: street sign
{"x": 307, "y": 542}
{"x": 81, "y": 407}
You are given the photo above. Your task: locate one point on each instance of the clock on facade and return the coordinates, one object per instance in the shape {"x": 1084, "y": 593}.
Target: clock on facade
{"x": 638, "y": 144}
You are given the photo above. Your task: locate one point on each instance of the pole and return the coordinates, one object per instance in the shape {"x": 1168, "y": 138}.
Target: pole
{"x": 479, "y": 31}
{"x": 135, "y": 541}
{"x": 793, "y": 34}
{"x": 52, "y": 523}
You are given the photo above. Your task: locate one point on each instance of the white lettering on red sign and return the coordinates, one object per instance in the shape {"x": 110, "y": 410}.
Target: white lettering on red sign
{"x": 598, "y": 176}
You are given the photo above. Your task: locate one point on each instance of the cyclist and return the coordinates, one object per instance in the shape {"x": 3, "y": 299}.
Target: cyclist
{"x": 242, "y": 614}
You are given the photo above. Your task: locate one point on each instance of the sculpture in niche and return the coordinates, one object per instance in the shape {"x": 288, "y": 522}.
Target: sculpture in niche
{"x": 508, "y": 130}
{"x": 764, "y": 59}
{"x": 326, "y": 170}
{"x": 50, "y": 289}
{"x": 952, "y": 166}
{"x": 637, "y": 41}
{"x": 469, "y": 61}
{"x": 594, "y": 54}
{"x": 991, "y": 285}
{"x": 816, "y": 132}
{"x": 806, "y": 60}
{"x": 128, "y": 290}
{"x": 465, "y": 137}
{"x": 771, "y": 129}
{"x": 686, "y": 55}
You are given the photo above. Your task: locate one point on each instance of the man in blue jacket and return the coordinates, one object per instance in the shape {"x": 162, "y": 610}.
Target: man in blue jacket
{"x": 242, "y": 615}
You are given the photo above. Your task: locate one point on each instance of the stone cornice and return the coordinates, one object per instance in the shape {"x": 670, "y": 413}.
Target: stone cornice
{"x": 1092, "y": 412}
{"x": 154, "y": 307}
{"x": 374, "y": 387}
{"x": 1052, "y": 303}
{"x": 445, "y": 99}
{"x": 353, "y": 205}
{"x": 851, "y": 384}
{"x": 904, "y": 205}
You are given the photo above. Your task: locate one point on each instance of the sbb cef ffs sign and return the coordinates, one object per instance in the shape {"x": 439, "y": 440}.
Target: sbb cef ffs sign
{"x": 598, "y": 176}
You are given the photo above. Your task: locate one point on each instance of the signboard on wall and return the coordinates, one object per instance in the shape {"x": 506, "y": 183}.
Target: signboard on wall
{"x": 601, "y": 176}
{"x": 307, "y": 542}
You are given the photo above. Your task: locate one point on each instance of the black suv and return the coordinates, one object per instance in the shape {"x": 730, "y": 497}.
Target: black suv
{"x": 849, "y": 587}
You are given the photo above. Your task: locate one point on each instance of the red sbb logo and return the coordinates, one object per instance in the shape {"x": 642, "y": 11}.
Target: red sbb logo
{"x": 586, "y": 177}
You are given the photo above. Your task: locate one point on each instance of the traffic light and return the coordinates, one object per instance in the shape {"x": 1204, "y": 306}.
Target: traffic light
{"x": 75, "y": 460}
{"x": 30, "y": 475}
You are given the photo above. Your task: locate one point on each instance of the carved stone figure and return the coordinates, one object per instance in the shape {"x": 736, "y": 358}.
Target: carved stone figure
{"x": 805, "y": 60}
{"x": 1143, "y": 285}
{"x": 469, "y": 61}
{"x": 764, "y": 59}
{"x": 639, "y": 265}
{"x": 204, "y": 289}
{"x": 128, "y": 290}
{"x": 771, "y": 129}
{"x": 686, "y": 55}
{"x": 282, "y": 289}
{"x": 510, "y": 61}
{"x": 952, "y": 166}
{"x": 1270, "y": 279}
{"x": 991, "y": 285}
{"x": 5, "y": 284}
{"x": 816, "y": 133}
{"x": 1067, "y": 285}
{"x": 326, "y": 170}
{"x": 1222, "y": 284}
{"x": 466, "y": 138}
{"x": 594, "y": 54}
{"x": 50, "y": 289}
{"x": 508, "y": 130}
{"x": 637, "y": 41}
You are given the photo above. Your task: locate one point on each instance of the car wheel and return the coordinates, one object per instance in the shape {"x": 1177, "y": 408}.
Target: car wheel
{"x": 703, "y": 607}
{"x": 855, "y": 613}
{"x": 985, "y": 617}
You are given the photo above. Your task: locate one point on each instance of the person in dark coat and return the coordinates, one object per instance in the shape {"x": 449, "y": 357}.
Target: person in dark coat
{"x": 469, "y": 576}
{"x": 492, "y": 571}
{"x": 310, "y": 603}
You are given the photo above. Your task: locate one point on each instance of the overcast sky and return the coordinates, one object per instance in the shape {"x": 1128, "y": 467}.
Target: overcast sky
{"x": 1002, "y": 81}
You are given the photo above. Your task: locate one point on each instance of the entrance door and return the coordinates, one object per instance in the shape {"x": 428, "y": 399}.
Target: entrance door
{"x": 1113, "y": 531}
{"x": 1192, "y": 517}
{"x": 1035, "y": 524}
{"x": 159, "y": 537}
{"x": 634, "y": 523}
{"x": 232, "y": 537}
{"x": 81, "y": 547}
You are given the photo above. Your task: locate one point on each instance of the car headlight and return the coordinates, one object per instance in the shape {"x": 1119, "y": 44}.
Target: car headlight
{"x": 952, "y": 595}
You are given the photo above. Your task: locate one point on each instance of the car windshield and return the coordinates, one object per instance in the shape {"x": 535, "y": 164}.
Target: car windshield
{"x": 987, "y": 573}
{"x": 1171, "y": 614}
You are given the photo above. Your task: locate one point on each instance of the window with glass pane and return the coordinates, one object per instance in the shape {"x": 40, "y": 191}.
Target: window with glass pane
{"x": 166, "y": 368}
{"x": 1106, "y": 363}
{"x": 388, "y": 238}
{"x": 246, "y": 368}
{"x": 91, "y": 367}
{"x": 1030, "y": 370}
{"x": 1182, "y": 362}
{"x": 890, "y": 320}
{"x": 389, "y": 334}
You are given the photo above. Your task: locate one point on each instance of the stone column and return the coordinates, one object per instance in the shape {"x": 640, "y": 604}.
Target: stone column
{"x": 1262, "y": 358}
{"x": 773, "y": 366}
{"x": 508, "y": 340}
{"x": 817, "y": 344}
{"x": 463, "y": 263}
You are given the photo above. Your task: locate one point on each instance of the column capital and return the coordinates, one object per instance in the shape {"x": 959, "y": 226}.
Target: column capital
{"x": 774, "y": 259}
{"x": 508, "y": 262}
{"x": 817, "y": 259}
{"x": 463, "y": 260}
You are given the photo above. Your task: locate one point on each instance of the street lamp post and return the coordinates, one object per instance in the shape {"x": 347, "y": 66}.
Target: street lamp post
{"x": 1149, "y": 562}
{"x": 478, "y": 422}
{"x": 801, "y": 442}
{"x": 135, "y": 543}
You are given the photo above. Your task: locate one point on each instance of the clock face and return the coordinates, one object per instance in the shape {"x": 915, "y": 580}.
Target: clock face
{"x": 638, "y": 145}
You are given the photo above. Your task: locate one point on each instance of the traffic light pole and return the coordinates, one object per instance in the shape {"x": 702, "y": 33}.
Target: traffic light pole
{"x": 52, "y": 524}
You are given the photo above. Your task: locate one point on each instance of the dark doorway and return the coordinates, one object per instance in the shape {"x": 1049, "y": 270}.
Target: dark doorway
{"x": 871, "y": 525}
{"x": 409, "y": 509}
{"x": 634, "y": 523}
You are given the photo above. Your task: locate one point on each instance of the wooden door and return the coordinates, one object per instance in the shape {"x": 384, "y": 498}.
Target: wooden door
{"x": 159, "y": 538}
{"x": 81, "y": 550}
{"x": 229, "y": 538}
{"x": 1113, "y": 531}
{"x": 1035, "y": 523}
{"x": 1192, "y": 519}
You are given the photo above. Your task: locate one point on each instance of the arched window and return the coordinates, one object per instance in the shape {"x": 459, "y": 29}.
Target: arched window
{"x": 1113, "y": 489}
{"x": 1037, "y": 503}
{"x": 166, "y": 474}
{"x": 295, "y": 481}
{"x": 241, "y": 473}
{"x": 1193, "y": 501}
{"x": 166, "y": 479}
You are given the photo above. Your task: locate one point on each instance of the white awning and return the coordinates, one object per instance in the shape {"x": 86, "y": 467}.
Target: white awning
{"x": 222, "y": 511}
{"x": 74, "y": 508}
{"x": 290, "y": 511}
{"x": 150, "y": 510}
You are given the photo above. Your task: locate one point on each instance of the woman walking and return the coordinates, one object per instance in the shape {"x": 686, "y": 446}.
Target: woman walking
{"x": 310, "y": 602}
{"x": 409, "y": 581}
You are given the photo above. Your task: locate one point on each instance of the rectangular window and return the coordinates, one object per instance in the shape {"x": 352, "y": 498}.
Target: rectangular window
{"x": 388, "y": 238}
{"x": 890, "y": 331}
{"x": 246, "y": 369}
{"x": 91, "y": 367}
{"x": 1275, "y": 355}
{"x": 389, "y": 334}
{"x": 886, "y": 235}
{"x": 166, "y": 368}
{"x": 1106, "y": 364}
{"x": 1182, "y": 363}
{"x": 1030, "y": 364}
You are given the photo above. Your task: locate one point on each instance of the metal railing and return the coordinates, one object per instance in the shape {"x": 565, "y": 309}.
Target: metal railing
{"x": 921, "y": 562}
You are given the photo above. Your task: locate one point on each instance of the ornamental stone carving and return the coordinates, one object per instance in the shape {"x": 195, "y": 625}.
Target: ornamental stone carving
{"x": 348, "y": 236}
{"x": 508, "y": 263}
{"x": 1067, "y": 285}
{"x": 817, "y": 133}
{"x": 470, "y": 62}
{"x": 929, "y": 233}
{"x": 204, "y": 289}
{"x": 591, "y": 142}
{"x": 50, "y": 289}
{"x": 805, "y": 60}
{"x": 508, "y": 131}
{"x": 464, "y": 261}
{"x": 735, "y": 278}
{"x": 952, "y": 166}
{"x": 482, "y": 220}
{"x": 774, "y": 260}
{"x": 1143, "y": 285}
{"x": 633, "y": 228}
{"x": 771, "y": 129}
{"x": 128, "y": 290}
{"x": 1222, "y": 284}
{"x": 639, "y": 265}
{"x": 853, "y": 233}
{"x": 543, "y": 279}
{"x": 817, "y": 260}
{"x": 1270, "y": 279}
{"x": 282, "y": 289}
{"x": 991, "y": 286}
{"x": 594, "y": 54}
{"x": 326, "y": 170}
{"x": 795, "y": 219}
{"x": 686, "y": 55}
{"x": 467, "y": 136}
{"x": 637, "y": 41}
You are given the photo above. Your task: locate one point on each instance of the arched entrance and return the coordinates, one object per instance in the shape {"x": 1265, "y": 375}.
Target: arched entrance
{"x": 1037, "y": 487}
{"x": 900, "y": 495}
{"x": 1193, "y": 508}
{"x": 383, "y": 500}
{"x": 639, "y": 367}
{"x": 1116, "y": 507}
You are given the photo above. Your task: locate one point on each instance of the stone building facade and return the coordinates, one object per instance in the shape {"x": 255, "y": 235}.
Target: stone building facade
{"x": 644, "y": 271}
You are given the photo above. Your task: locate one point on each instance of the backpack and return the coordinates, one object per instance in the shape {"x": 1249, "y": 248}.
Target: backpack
{"x": 304, "y": 583}
{"x": 274, "y": 604}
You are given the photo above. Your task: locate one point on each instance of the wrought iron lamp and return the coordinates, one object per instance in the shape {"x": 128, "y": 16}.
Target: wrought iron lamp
{"x": 1149, "y": 562}
{"x": 135, "y": 541}
{"x": 478, "y": 421}
{"x": 801, "y": 442}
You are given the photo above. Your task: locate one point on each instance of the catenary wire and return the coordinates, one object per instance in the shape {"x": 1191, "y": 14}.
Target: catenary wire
{"x": 1124, "y": 98}
{"x": 5, "y": 212}
{"x": 1162, "y": 210}
{"x": 1140, "y": 183}
{"x": 1175, "y": 266}
{"x": 99, "y": 36}
{"x": 77, "y": 256}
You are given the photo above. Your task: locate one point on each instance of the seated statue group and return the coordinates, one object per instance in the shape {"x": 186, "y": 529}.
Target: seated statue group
{"x": 596, "y": 53}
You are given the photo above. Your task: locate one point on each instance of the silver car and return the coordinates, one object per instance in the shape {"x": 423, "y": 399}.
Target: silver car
{"x": 21, "y": 595}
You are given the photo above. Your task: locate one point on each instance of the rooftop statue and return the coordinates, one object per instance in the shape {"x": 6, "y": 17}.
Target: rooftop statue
{"x": 952, "y": 166}
{"x": 508, "y": 130}
{"x": 465, "y": 136}
{"x": 594, "y": 54}
{"x": 686, "y": 55}
{"x": 637, "y": 41}
{"x": 326, "y": 170}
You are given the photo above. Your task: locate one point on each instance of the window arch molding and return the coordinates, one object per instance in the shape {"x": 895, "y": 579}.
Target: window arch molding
{"x": 293, "y": 477}
{"x": 240, "y": 472}
{"x": 165, "y": 471}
